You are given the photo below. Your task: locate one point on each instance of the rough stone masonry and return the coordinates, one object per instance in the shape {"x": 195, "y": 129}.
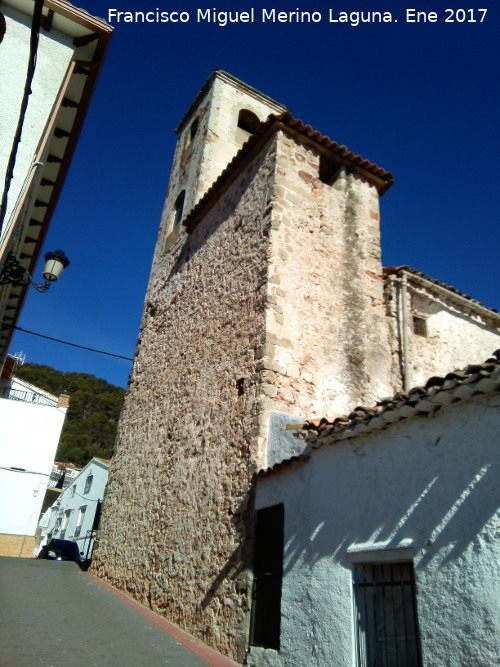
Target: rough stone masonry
{"x": 268, "y": 298}
{"x": 273, "y": 301}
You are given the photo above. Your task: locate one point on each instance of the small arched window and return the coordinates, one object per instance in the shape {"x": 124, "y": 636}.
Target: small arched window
{"x": 248, "y": 121}
{"x": 178, "y": 208}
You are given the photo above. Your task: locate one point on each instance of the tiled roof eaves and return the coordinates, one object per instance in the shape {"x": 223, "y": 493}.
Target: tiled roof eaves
{"x": 379, "y": 177}
{"x": 227, "y": 176}
{"x": 383, "y": 178}
{"x": 423, "y": 278}
{"x": 438, "y": 392}
{"x": 293, "y": 460}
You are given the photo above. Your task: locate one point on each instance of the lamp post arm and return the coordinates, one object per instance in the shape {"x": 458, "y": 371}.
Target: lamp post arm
{"x": 15, "y": 274}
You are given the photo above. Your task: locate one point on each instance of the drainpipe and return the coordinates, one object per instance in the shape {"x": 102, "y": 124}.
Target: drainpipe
{"x": 406, "y": 365}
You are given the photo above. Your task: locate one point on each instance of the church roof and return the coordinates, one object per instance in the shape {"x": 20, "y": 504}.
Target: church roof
{"x": 440, "y": 286}
{"x": 381, "y": 178}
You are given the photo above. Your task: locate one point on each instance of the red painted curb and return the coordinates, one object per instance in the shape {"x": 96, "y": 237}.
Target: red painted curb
{"x": 198, "y": 648}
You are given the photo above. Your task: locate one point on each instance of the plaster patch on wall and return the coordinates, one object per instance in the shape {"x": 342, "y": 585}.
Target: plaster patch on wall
{"x": 281, "y": 444}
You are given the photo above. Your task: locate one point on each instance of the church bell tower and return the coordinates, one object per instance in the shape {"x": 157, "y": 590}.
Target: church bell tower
{"x": 219, "y": 121}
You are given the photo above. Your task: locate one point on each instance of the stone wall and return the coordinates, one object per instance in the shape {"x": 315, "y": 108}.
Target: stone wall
{"x": 327, "y": 346}
{"x": 208, "y": 139}
{"x": 173, "y": 530}
{"x": 273, "y": 302}
{"x": 226, "y": 138}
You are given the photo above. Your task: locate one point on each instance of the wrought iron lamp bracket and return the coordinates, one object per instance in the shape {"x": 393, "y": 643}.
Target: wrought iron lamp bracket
{"x": 15, "y": 274}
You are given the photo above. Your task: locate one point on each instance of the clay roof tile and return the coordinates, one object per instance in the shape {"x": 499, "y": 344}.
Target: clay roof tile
{"x": 437, "y": 393}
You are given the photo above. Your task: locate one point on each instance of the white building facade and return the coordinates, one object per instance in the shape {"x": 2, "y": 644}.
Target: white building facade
{"x": 389, "y": 537}
{"x": 31, "y": 421}
{"x": 73, "y": 515}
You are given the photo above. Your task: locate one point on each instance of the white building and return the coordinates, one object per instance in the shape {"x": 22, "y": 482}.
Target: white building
{"x": 68, "y": 46}
{"x": 379, "y": 545}
{"x": 75, "y": 514}
{"x": 31, "y": 421}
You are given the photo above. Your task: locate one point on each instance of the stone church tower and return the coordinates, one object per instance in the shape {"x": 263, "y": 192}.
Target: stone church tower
{"x": 265, "y": 298}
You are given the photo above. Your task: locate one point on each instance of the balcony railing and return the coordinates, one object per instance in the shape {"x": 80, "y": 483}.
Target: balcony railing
{"x": 29, "y": 397}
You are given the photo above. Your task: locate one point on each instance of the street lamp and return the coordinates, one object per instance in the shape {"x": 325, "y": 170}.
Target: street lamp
{"x": 15, "y": 274}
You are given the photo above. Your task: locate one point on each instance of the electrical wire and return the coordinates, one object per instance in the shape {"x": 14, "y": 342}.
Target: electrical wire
{"x": 89, "y": 500}
{"x": 65, "y": 342}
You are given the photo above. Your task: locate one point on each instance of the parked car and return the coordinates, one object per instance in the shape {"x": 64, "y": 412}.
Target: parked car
{"x": 61, "y": 550}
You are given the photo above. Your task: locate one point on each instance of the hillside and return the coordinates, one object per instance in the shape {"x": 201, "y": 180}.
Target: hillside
{"x": 90, "y": 426}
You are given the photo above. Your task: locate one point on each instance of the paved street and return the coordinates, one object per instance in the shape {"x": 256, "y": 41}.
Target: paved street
{"x": 52, "y": 615}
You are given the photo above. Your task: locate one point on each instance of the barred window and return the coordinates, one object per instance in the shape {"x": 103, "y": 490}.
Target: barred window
{"x": 386, "y": 615}
{"x": 419, "y": 326}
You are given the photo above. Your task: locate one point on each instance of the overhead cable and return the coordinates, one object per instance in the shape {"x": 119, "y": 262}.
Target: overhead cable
{"x": 65, "y": 342}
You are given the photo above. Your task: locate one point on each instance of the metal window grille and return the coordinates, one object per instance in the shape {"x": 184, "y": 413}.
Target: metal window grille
{"x": 419, "y": 326}
{"x": 386, "y": 617}
{"x": 81, "y": 516}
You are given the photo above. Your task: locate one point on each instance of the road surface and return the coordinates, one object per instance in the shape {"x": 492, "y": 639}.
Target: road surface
{"x": 52, "y": 615}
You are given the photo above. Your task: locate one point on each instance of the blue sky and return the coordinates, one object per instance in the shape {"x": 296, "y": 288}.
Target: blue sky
{"x": 420, "y": 100}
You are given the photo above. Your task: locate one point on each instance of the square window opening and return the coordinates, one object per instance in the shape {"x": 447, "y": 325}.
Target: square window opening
{"x": 329, "y": 169}
{"x": 419, "y": 326}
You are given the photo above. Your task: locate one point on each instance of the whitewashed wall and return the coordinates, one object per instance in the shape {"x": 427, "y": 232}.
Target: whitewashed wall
{"x": 429, "y": 482}
{"x": 71, "y": 500}
{"x": 29, "y": 435}
{"x": 457, "y": 332}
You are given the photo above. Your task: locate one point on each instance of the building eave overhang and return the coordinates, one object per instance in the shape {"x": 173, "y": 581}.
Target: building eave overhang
{"x": 90, "y": 36}
{"x": 442, "y": 289}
